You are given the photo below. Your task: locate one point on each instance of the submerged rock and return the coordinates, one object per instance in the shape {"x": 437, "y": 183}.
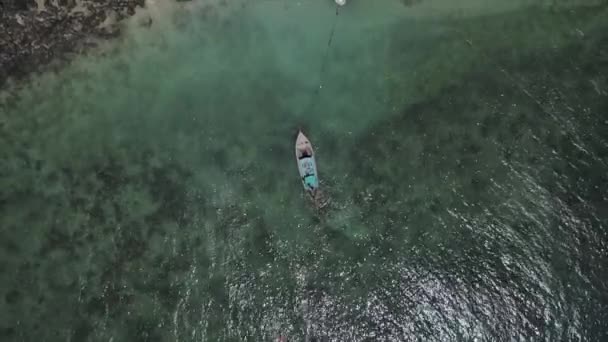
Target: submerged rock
{"x": 36, "y": 32}
{"x": 41, "y": 34}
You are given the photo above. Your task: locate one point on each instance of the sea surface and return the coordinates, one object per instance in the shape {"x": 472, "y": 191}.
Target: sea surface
{"x": 149, "y": 190}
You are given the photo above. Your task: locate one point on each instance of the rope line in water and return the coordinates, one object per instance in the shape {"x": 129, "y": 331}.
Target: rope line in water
{"x": 316, "y": 91}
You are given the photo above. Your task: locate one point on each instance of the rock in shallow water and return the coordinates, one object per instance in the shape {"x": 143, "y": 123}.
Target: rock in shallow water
{"x": 38, "y": 32}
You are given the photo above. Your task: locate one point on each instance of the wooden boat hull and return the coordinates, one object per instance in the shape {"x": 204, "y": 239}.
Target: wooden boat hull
{"x": 307, "y": 165}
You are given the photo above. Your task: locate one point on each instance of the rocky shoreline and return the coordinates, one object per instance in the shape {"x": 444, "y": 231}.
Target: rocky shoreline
{"x": 37, "y": 34}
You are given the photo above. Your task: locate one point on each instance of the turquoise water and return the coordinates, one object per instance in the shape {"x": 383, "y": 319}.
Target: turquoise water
{"x": 149, "y": 192}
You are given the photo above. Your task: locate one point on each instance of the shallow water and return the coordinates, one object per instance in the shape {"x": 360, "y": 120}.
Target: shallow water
{"x": 148, "y": 192}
